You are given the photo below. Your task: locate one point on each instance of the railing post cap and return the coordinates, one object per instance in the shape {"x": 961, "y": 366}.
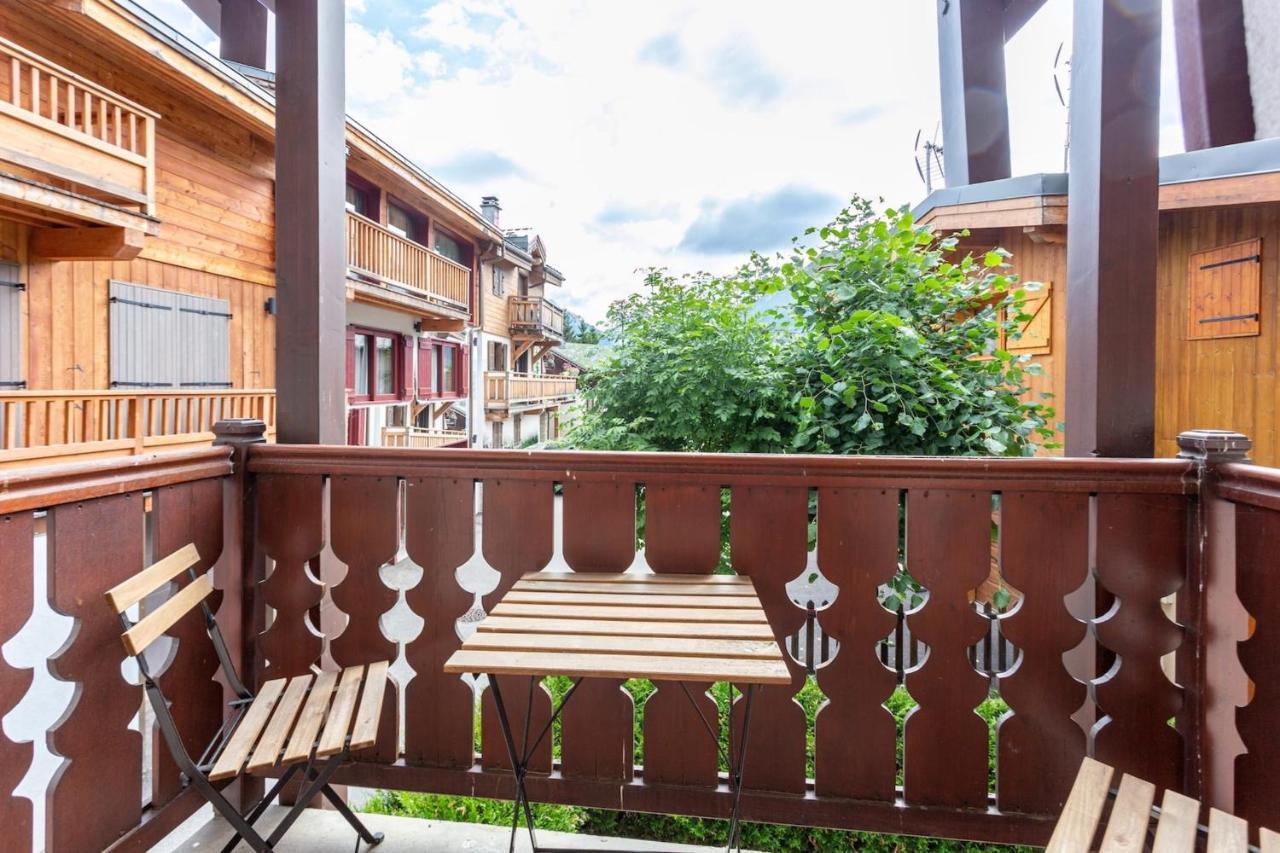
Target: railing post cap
{"x": 1214, "y": 445}
{"x": 240, "y": 431}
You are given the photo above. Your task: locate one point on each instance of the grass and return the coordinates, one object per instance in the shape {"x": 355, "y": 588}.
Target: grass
{"x": 691, "y": 830}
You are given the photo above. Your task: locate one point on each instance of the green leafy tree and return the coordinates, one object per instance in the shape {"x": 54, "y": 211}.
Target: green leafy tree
{"x": 577, "y": 330}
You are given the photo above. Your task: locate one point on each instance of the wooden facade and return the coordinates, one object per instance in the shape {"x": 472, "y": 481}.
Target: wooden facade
{"x": 1226, "y": 378}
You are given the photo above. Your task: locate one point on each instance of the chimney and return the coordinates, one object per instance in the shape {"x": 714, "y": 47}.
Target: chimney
{"x": 490, "y": 208}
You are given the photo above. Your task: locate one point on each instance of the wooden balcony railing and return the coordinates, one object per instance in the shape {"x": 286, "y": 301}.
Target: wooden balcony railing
{"x": 47, "y": 426}
{"x": 64, "y": 127}
{"x": 422, "y": 439}
{"x": 503, "y": 389}
{"x": 376, "y": 252}
{"x": 536, "y": 316}
{"x": 1093, "y": 546}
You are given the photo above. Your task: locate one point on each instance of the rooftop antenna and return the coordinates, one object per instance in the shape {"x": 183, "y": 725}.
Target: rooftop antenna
{"x": 1062, "y": 72}
{"x": 929, "y": 160}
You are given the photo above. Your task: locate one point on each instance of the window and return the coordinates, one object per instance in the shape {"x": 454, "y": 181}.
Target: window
{"x": 1223, "y": 292}
{"x": 447, "y": 378}
{"x": 442, "y": 369}
{"x": 376, "y": 370}
{"x": 497, "y": 356}
{"x": 449, "y": 247}
{"x": 499, "y": 282}
{"x": 524, "y": 285}
{"x": 404, "y": 222}
{"x": 358, "y": 200}
{"x": 10, "y": 326}
{"x": 163, "y": 339}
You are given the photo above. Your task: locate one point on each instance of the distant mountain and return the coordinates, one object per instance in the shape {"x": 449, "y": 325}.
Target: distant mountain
{"x": 577, "y": 330}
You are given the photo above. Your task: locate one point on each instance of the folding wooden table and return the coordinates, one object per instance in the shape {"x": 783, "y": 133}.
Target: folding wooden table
{"x": 673, "y": 628}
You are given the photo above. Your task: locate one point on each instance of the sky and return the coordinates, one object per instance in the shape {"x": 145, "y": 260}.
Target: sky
{"x": 676, "y": 133}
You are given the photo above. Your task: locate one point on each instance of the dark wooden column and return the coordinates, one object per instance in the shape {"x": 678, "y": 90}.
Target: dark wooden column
{"x": 310, "y": 233}
{"x": 1112, "y": 222}
{"x": 975, "y": 108}
{"x": 1213, "y": 73}
{"x": 243, "y": 32}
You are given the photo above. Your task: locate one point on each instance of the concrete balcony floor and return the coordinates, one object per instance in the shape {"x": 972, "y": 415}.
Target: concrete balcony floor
{"x": 324, "y": 831}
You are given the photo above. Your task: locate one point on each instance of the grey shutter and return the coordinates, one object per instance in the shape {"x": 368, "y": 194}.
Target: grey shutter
{"x": 10, "y": 327}
{"x": 165, "y": 339}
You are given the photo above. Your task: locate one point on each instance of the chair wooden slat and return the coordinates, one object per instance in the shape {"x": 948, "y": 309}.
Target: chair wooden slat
{"x": 246, "y": 734}
{"x": 273, "y": 738}
{"x": 129, "y": 592}
{"x": 1079, "y": 821}
{"x": 1179, "y": 820}
{"x": 365, "y": 732}
{"x": 1268, "y": 841}
{"x": 152, "y": 627}
{"x": 307, "y": 728}
{"x": 340, "y": 712}
{"x": 1227, "y": 833}
{"x": 1130, "y": 816}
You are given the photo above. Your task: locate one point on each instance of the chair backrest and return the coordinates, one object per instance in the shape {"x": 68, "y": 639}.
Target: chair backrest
{"x": 124, "y": 595}
{"x": 1131, "y": 815}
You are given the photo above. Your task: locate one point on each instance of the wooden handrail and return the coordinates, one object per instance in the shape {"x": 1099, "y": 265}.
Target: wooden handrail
{"x": 375, "y": 251}
{"x": 536, "y": 312}
{"x": 420, "y": 438}
{"x": 501, "y": 386}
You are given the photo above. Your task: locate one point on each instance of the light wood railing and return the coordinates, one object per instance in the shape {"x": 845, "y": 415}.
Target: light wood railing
{"x": 422, "y": 439}
{"x": 66, "y": 127}
{"x": 376, "y": 252}
{"x": 536, "y": 315}
{"x": 502, "y": 389}
{"x": 49, "y": 426}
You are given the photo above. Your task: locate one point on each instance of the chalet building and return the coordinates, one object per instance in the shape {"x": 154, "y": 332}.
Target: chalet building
{"x": 520, "y": 325}
{"x": 138, "y": 299}
{"x": 1211, "y": 321}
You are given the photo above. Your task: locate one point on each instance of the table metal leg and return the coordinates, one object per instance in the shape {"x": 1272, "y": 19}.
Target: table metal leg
{"x": 735, "y": 772}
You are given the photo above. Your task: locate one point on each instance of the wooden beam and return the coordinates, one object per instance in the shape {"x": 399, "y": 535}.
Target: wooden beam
{"x": 1213, "y": 73}
{"x": 1046, "y": 234}
{"x": 243, "y": 32}
{"x": 975, "y": 108}
{"x": 86, "y": 244}
{"x": 442, "y": 324}
{"x": 311, "y": 259}
{"x": 1112, "y": 219}
{"x": 523, "y": 348}
{"x": 541, "y": 350}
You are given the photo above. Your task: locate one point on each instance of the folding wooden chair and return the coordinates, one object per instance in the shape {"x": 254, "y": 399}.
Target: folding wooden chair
{"x": 292, "y": 723}
{"x": 1177, "y": 827}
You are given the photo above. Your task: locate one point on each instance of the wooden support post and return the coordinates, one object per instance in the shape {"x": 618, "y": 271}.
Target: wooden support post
{"x": 1112, "y": 219}
{"x": 975, "y": 108}
{"x": 243, "y": 32}
{"x": 310, "y": 222}
{"x": 1213, "y": 73}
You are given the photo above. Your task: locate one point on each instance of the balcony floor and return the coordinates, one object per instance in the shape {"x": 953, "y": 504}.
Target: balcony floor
{"x": 324, "y": 831}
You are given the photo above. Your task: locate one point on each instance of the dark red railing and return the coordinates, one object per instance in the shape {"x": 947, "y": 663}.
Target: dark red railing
{"x": 1093, "y": 548}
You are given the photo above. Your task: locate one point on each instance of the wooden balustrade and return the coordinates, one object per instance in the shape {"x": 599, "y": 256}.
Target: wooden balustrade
{"x": 1202, "y": 528}
{"x": 68, "y": 128}
{"x": 502, "y": 389}
{"x": 422, "y": 439}
{"x": 376, "y": 252}
{"x": 37, "y": 426}
{"x": 537, "y": 316}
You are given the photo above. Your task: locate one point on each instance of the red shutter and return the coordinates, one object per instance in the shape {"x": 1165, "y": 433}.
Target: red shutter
{"x": 406, "y": 368}
{"x": 425, "y": 367}
{"x": 463, "y": 368}
{"x": 351, "y": 360}
{"x": 356, "y": 424}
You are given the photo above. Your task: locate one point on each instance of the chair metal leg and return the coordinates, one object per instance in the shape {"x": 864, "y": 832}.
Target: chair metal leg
{"x": 369, "y": 837}
{"x": 305, "y": 795}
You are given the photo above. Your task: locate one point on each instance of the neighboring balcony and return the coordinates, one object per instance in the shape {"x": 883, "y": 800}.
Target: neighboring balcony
{"x": 506, "y": 391}
{"x": 536, "y": 318}
{"x": 390, "y": 268}
{"x": 73, "y": 152}
{"x": 419, "y": 438}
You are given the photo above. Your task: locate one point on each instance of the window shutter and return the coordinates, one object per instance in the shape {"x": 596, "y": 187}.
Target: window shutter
{"x": 1223, "y": 291}
{"x": 1035, "y": 335}
{"x": 165, "y": 339}
{"x": 407, "y": 352}
{"x": 351, "y": 360}
{"x": 425, "y": 368}
{"x": 10, "y": 327}
{"x": 463, "y": 368}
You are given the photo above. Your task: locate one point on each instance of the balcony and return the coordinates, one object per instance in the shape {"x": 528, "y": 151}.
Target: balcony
{"x": 420, "y": 438}
{"x": 405, "y": 273}
{"x": 74, "y": 152}
{"x": 504, "y": 391}
{"x": 41, "y": 427}
{"x": 536, "y": 318}
{"x": 1087, "y": 674}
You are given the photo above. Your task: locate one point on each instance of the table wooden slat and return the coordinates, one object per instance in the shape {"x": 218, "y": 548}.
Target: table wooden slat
{"x": 701, "y": 670}
{"x": 634, "y": 599}
{"x": 632, "y": 577}
{"x": 661, "y": 646}
{"x": 623, "y": 588}
{"x": 623, "y": 628}
{"x": 639, "y": 614}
